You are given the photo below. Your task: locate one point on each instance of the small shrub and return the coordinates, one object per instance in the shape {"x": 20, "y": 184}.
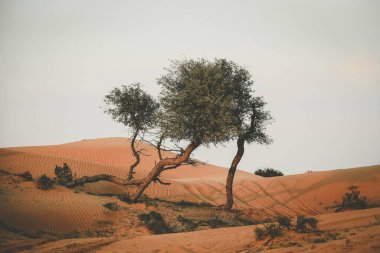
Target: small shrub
{"x": 284, "y": 221}
{"x": 241, "y": 219}
{"x": 63, "y": 174}
{"x": 125, "y": 198}
{"x": 260, "y": 233}
{"x": 26, "y": 176}
{"x": 155, "y": 222}
{"x": 353, "y": 200}
{"x": 273, "y": 230}
{"x": 44, "y": 182}
{"x": 268, "y": 172}
{"x": 111, "y": 206}
{"x": 306, "y": 223}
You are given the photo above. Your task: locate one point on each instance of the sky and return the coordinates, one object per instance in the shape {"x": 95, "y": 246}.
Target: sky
{"x": 316, "y": 63}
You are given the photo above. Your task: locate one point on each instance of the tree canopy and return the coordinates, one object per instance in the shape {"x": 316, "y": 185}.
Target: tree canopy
{"x": 132, "y": 106}
{"x": 200, "y": 100}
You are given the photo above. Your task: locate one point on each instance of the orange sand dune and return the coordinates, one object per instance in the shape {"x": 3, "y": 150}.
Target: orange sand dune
{"x": 305, "y": 193}
{"x": 66, "y": 211}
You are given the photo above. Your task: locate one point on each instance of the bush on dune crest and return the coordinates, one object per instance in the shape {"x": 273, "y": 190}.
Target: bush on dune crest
{"x": 45, "y": 183}
{"x": 64, "y": 174}
{"x": 268, "y": 172}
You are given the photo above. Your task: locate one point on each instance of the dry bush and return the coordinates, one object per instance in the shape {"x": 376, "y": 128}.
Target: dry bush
{"x": 45, "y": 183}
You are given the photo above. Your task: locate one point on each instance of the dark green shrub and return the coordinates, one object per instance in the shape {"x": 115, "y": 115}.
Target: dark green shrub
{"x": 125, "y": 198}
{"x": 63, "y": 174}
{"x": 111, "y": 206}
{"x": 273, "y": 230}
{"x": 353, "y": 200}
{"x": 26, "y": 175}
{"x": 155, "y": 222}
{"x": 284, "y": 221}
{"x": 260, "y": 233}
{"x": 44, "y": 182}
{"x": 268, "y": 172}
{"x": 306, "y": 223}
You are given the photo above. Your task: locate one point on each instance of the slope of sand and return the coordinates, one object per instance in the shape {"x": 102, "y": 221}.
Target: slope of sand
{"x": 29, "y": 209}
{"x": 361, "y": 233}
{"x": 363, "y": 229}
{"x": 305, "y": 193}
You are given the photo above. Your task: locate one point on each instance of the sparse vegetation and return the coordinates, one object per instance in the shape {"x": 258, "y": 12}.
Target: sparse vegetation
{"x": 273, "y": 230}
{"x": 26, "y": 176}
{"x": 190, "y": 224}
{"x": 125, "y": 198}
{"x": 45, "y": 183}
{"x": 284, "y": 221}
{"x": 216, "y": 222}
{"x": 63, "y": 174}
{"x": 260, "y": 233}
{"x": 305, "y": 224}
{"x": 155, "y": 222}
{"x": 195, "y": 204}
{"x": 352, "y": 200}
{"x": 268, "y": 172}
{"x": 111, "y": 206}
{"x": 270, "y": 229}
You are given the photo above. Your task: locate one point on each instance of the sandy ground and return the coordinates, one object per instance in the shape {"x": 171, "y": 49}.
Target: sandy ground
{"x": 363, "y": 224}
{"x": 30, "y": 217}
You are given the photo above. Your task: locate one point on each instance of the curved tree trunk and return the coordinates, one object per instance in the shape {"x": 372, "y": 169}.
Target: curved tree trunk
{"x": 231, "y": 173}
{"x": 102, "y": 177}
{"x": 160, "y": 166}
{"x": 136, "y": 154}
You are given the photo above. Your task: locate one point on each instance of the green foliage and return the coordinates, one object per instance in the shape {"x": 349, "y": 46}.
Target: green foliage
{"x": 306, "y": 223}
{"x": 353, "y": 200}
{"x": 111, "y": 206}
{"x": 26, "y": 176}
{"x": 255, "y": 121}
{"x": 155, "y": 222}
{"x": 63, "y": 174}
{"x": 268, "y": 172}
{"x": 201, "y": 100}
{"x": 273, "y": 230}
{"x": 260, "y": 233}
{"x": 44, "y": 182}
{"x": 132, "y": 106}
{"x": 284, "y": 221}
{"x": 125, "y": 198}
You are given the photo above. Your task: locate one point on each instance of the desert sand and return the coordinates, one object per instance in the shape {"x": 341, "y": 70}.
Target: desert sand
{"x": 75, "y": 220}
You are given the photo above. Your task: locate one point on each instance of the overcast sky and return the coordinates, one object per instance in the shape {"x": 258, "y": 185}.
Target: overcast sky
{"x": 317, "y": 64}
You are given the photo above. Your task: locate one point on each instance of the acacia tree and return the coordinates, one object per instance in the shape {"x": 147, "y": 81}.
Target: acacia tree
{"x": 134, "y": 108}
{"x": 252, "y": 129}
{"x": 198, "y": 105}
